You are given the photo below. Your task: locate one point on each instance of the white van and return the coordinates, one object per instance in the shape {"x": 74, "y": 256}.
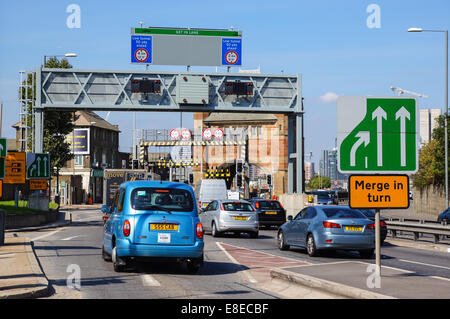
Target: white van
{"x": 208, "y": 190}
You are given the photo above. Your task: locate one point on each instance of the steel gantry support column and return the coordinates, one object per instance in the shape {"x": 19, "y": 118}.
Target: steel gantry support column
{"x": 295, "y": 146}
{"x": 38, "y": 116}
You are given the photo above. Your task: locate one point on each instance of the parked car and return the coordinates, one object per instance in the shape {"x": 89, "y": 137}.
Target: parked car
{"x": 151, "y": 221}
{"x": 236, "y": 216}
{"x": 328, "y": 228}
{"x": 444, "y": 216}
{"x": 208, "y": 190}
{"x": 370, "y": 213}
{"x": 270, "y": 212}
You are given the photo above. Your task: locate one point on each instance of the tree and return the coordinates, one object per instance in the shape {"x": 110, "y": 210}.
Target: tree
{"x": 318, "y": 182}
{"x": 432, "y": 158}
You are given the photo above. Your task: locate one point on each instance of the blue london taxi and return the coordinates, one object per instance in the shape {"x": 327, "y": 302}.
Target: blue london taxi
{"x": 153, "y": 221}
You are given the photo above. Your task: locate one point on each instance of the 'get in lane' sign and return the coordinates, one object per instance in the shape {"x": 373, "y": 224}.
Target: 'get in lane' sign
{"x": 378, "y": 191}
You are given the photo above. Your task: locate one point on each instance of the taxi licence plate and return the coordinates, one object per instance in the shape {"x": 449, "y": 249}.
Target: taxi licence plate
{"x": 352, "y": 228}
{"x": 240, "y": 217}
{"x": 173, "y": 227}
{"x": 271, "y": 213}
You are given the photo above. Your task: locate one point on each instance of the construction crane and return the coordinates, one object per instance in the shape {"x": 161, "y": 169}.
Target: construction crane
{"x": 401, "y": 91}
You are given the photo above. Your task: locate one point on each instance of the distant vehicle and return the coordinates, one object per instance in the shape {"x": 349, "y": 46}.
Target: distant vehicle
{"x": 328, "y": 228}
{"x": 270, "y": 212}
{"x": 444, "y": 216}
{"x": 370, "y": 213}
{"x": 152, "y": 220}
{"x": 208, "y": 190}
{"x": 325, "y": 197}
{"x": 236, "y": 216}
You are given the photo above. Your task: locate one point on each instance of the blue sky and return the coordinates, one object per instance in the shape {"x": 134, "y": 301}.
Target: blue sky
{"x": 326, "y": 41}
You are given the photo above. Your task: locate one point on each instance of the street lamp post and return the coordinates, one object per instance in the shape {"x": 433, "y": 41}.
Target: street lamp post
{"x": 445, "y": 106}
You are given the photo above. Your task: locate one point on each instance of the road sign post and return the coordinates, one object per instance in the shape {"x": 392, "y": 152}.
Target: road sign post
{"x": 378, "y": 135}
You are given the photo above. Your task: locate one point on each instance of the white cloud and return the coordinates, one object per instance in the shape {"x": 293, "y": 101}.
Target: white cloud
{"x": 328, "y": 97}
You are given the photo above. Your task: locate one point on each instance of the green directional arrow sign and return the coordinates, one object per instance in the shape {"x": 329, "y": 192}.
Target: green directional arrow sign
{"x": 377, "y": 135}
{"x": 38, "y": 165}
{"x": 3, "y": 147}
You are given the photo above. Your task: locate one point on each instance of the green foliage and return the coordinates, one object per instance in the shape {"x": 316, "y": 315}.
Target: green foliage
{"x": 432, "y": 158}
{"x": 318, "y": 182}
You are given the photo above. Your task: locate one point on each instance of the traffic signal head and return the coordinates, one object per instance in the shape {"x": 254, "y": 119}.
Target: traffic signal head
{"x": 191, "y": 178}
{"x": 135, "y": 164}
{"x": 239, "y": 167}
{"x": 239, "y": 180}
{"x": 269, "y": 179}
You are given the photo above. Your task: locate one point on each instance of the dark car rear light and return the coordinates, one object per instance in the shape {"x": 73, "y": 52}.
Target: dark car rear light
{"x": 105, "y": 218}
{"x": 199, "y": 230}
{"x": 382, "y": 223}
{"x": 126, "y": 228}
{"x": 370, "y": 226}
{"x": 257, "y": 204}
{"x": 331, "y": 225}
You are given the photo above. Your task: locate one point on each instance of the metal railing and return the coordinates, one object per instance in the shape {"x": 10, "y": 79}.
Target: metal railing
{"x": 418, "y": 227}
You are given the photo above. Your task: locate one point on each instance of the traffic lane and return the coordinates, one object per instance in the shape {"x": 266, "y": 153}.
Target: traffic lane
{"x": 80, "y": 244}
{"x": 417, "y": 260}
{"x": 421, "y": 261}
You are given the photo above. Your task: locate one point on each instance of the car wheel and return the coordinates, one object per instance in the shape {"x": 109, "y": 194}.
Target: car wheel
{"x": 105, "y": 255}
{"x": 193, "y": 265}
{"x": 367, "y": 253}
{"x": 281, "y": 243}
{"x": 254, "y": 234}
{"x": 214, "y": 231}
{"x": 311, "y": 246}
{"x": 118, "y": 263}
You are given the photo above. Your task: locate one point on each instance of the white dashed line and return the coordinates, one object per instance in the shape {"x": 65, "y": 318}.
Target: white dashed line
{"x": 149, "y": 281}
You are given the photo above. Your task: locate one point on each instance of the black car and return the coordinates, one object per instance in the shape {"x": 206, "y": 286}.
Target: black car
{"x": 370, "y": 213}
{"x": 444, "y": 216}
{"x": 270, "y": 212}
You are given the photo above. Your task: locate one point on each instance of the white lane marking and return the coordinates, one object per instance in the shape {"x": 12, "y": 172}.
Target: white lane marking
{"x": 48, "y": 234}
{"x": 7, "y": 255}
{"x": 149, "y": 281}
{"x": 247, "y": 273}
{"x": 70, "y": 238}
{"x": 419, "y": 263}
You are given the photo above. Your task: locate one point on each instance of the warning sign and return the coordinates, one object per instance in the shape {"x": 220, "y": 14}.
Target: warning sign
{"x": 15, "y": 164}
{"x": 231, "y": 51}
{"x": 141, "y": 49}
{"x": 378, "y": 191}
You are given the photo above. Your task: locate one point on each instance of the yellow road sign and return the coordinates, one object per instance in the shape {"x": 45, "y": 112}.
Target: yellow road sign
{"x": 15, "y": 164}
{"x": 378, "y": 191}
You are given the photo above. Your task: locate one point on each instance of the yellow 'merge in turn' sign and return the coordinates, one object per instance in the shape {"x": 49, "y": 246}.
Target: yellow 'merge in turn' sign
{"x": 378, "y": 191}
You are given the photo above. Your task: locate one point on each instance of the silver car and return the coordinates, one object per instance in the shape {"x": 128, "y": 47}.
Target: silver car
{"x": 236, "y": 216}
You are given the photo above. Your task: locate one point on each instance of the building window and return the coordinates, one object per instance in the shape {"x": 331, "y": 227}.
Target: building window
{"x": 78, "y": 160}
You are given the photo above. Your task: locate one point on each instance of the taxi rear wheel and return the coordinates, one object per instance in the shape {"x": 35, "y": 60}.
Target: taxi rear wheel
{"x": 119, "y": 264}
{"x": 105, "y": 255}
{"x": 193, "y": 265}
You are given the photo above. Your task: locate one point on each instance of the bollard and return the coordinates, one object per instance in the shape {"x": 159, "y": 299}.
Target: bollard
{"x": 2, "y": 227}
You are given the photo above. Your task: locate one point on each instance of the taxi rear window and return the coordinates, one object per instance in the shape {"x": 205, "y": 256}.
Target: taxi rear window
{"x": 171, "y": 199}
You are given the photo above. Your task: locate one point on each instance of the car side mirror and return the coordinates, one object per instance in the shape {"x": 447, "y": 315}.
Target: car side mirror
{"x": 106, "y": 209}
{"x": 290, "y": 218}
